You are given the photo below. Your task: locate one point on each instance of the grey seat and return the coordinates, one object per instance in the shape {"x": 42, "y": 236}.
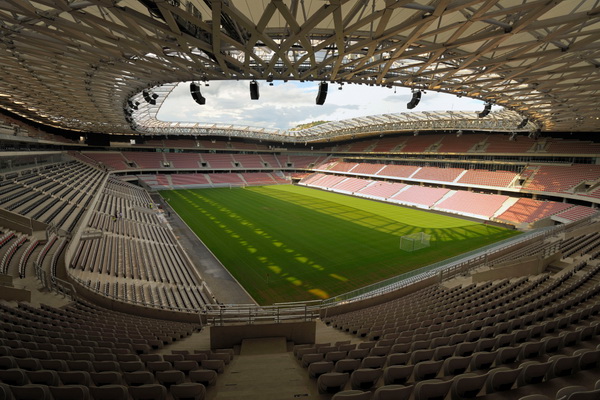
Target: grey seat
{"x": 132, "y": 366}
{"x": 443, "y": 352}
{"x": 109, "y": 392}
{"x": 5, "y": 392}
{"x": 467, "y": 386}
{"x": 204, "y": 376}
{"x": 352, "y": 395}
{"x": 365, "y": 378}
{"x": 70, "y": 392}
{"x": 483, "y": 360}
{"x": 373, "y": 362}
{"x": 588, "y": 359}
{"x": 75, "y": 378}
{"x": 320, "y": 367}
{"x": 148, "y": 392}
{"x": 154, "y": 366}
{"x": 54, "y": 365}
{"x": 138, "y": 378}
{"x": 216, "y": 365}
{"x": 432, "y": 389}
{"x": 44, "y": 377}
{"x": 106, "y": 378}
{"x": 398, "y": 359}
{"x": 533, "y": 372}
{"x": 14, "y": 377}
{"x": 347, "y": 365}
{"x": 31, "y": 392}
{"x": 332, "y": 382}
{"x": 168, "y": 378}
{"x": 530, "y": 350}
{"x": 427, "y": 369}
{"x": 501, "y": 378}
{"x": 397, "y": 374}
{"x": 188, "y": 391}
{"x": 456, "y": 365}
{"x": 393, "y": 392}
{"x": 562, "y": 366}
{"x": 507, "y": 355}
{"x": 335, "y": 356}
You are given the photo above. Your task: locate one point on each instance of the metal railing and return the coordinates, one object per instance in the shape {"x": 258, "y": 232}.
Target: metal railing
{"x": 55, "y": 284}
{"x": 220, "y": 315}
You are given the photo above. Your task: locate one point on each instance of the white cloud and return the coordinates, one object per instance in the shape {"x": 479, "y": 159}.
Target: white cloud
{"x": 287, "y": 104}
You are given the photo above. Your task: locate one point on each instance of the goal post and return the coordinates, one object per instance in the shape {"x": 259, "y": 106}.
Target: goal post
{"x": 414, "y": 241}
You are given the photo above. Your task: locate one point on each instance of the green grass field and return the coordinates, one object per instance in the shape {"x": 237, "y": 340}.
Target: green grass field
{"x": 291, "y": 243}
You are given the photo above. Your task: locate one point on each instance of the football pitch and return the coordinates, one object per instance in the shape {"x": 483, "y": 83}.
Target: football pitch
{"x": 292, "y": 243}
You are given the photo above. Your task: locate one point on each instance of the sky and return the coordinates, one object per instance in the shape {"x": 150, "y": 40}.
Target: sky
{"x": 287, "y": 104}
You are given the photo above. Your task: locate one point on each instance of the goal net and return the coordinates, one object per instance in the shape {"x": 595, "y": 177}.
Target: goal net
{"x": 414, "y": 241}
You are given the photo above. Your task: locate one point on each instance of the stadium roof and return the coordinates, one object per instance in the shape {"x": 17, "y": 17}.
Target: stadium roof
{"x": 75, "y": 63}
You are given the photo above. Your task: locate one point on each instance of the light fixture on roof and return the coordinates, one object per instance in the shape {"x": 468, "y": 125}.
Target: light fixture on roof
{"x": 459, "y": 133}
{"x": 149, "y": 96}
{"x": 486, "y": 110}
{"x": 322, "y": 94}
{"x": 133, "y": 105}
{"x": 196, "y": 95}
{"x": 254, "y": 94}
{"x": 523, "y": 123}
{"x": 416, "y": 98}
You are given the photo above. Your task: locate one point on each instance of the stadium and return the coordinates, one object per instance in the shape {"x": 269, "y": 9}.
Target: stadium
{"x": 436, "y": 255}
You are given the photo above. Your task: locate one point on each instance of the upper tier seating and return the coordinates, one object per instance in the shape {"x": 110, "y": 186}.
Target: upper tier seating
{"x": 218, "y": 160}
{"x": 420, "y": 195}
{"x": 398, "y": 171}
{"x": 503, "y": 144}
{"x": 112, "y": 160}
{"x": 420, "y": 144}
{"x": 229, "y": 179}
{"x": 487, "y": 178}
{"x": 145, "y": 159}
{"x": 341, "y": 166}
{"x": 562, "y": 146}
{"x": 249, "y": 160}
{"x": 575, "y": 214}
{"x": 558, "y": 178}
{"x": 462, "y": 144}
{"x": 352, "y": 184}
{"x": 469, "y": 203}
{"x": 437, "y": 174}
{"x": 529, "y": 210}
{"x": 189, "y": 179}
{"x": 367, "y": 169}
{"x": 183, "y": 160}
{"x": 382, "y": 189}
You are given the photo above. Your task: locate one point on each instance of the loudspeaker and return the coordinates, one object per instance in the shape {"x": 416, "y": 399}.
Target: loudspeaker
{"x": 196, "y": 95}
{"x": 322, "y": 94}
{"x": 254, "y": 95}
{"x": 523, "y": 123}
{"x": 416, "y": 98}
{"x": 486, "y": 110}
{"x": 149, "y": 97}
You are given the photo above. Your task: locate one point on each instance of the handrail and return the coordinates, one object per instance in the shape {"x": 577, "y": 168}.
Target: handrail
{"x": 220, "y": 315}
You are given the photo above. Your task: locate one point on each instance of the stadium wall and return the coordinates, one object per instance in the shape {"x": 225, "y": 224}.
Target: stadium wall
{"x": 526, "y": 266}
{"x": 379, "y": 299}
